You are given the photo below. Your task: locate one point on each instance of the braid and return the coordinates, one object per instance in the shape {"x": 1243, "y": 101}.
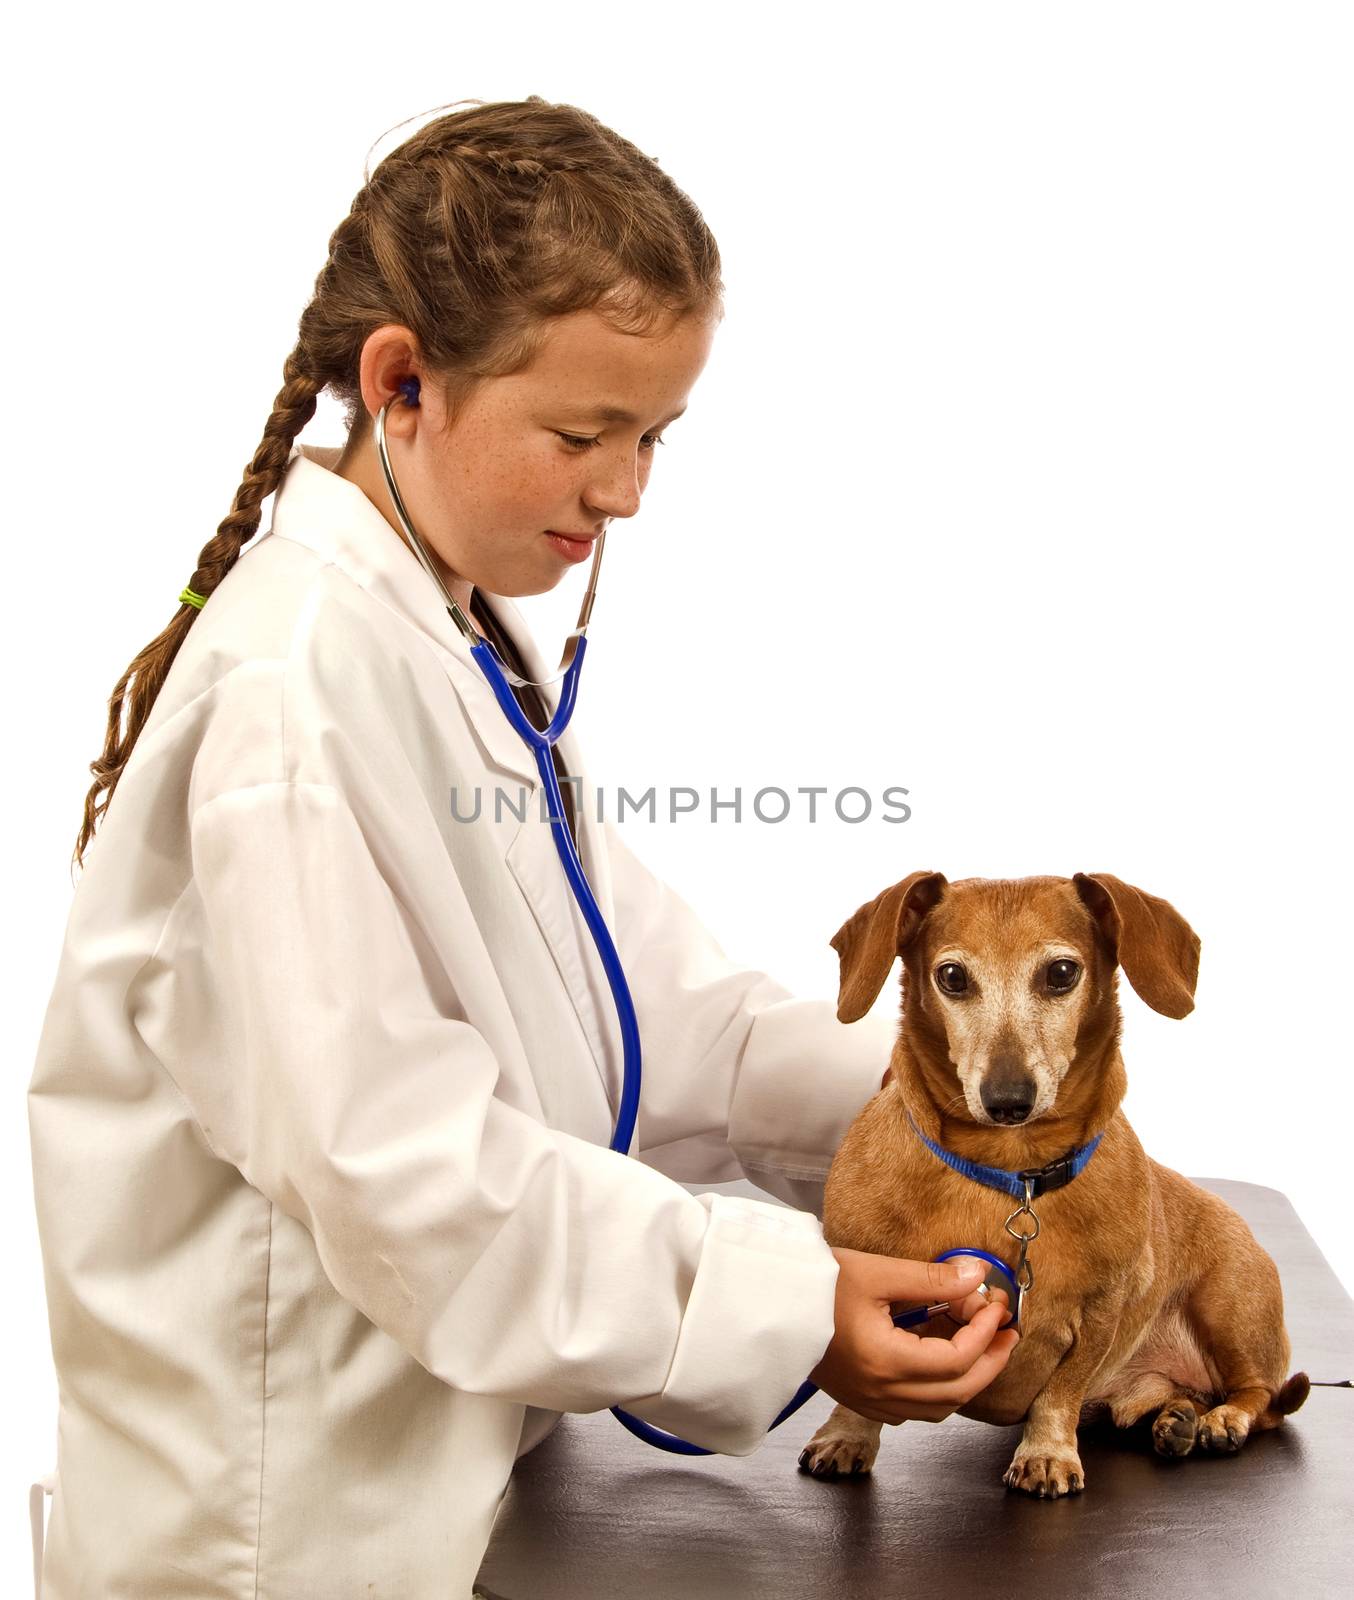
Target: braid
{"x": 292, "y": 409}
{"x": 144, "y": 678}
{"x": 520, "y": 166}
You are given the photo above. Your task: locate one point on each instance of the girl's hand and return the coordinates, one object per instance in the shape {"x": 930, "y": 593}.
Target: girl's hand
{"x": 891, "y": 1374}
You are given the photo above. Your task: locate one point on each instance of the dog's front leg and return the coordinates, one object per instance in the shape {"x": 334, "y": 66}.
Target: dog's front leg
{"x": 1046, "y": 1462}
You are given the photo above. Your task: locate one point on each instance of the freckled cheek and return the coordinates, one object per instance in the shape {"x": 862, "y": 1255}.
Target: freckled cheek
{"x": 520, "y": 494}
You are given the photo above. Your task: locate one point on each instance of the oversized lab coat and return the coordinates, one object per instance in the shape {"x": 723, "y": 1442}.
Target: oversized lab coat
{"x": 330, "y": 1231}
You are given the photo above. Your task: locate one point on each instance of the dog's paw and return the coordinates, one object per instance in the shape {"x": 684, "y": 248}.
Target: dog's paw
{"x": 1224, "y": 1429}
{"x": 1045, "y": 1475}
{"x": 1175, "y": 1429}
{"x": 844, "y": 1458}
{"x": 839, "y": 1452}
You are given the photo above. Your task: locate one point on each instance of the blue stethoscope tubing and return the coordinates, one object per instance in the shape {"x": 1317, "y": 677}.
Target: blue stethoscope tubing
{"x": 540, "y": 743}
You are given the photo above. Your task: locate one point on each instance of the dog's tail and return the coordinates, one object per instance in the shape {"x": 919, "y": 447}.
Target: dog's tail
{"x": 1285, "y": 1400}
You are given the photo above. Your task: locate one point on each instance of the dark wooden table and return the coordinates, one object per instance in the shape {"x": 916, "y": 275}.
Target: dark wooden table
{"x": 595, "y": 1514}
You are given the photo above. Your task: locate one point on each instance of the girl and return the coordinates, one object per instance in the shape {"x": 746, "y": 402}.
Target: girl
{"x": 331, "y": 1230}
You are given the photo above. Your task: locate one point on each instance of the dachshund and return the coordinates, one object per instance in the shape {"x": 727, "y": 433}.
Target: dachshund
{"x": 1143, "y": 1293}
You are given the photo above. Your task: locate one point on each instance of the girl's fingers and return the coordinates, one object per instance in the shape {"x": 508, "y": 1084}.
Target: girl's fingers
{"x": 947, "y": 1394}
{"x": 939, "y": 1360}
{"x": 974, "y": 1303}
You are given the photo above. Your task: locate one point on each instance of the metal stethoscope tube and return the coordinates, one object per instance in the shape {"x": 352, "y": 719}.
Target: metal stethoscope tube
{"x": 500, "y": 676}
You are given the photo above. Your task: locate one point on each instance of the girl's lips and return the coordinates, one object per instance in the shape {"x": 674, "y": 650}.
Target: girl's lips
{"x": 571, "y": 549}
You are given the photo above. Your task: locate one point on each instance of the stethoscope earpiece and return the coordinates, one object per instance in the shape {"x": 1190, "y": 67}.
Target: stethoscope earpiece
{"x": 408, "y": 387}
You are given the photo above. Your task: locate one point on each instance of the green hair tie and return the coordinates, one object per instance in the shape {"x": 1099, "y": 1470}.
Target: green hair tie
{"x": 189, "y": 598}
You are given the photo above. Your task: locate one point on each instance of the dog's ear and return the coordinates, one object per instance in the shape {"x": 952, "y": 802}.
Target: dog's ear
{"x": 869, "y": 942}
{"x": 1155, "y": 946}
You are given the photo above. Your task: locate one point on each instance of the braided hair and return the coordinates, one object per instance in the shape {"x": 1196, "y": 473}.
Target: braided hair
{"x": 474, "y": 233}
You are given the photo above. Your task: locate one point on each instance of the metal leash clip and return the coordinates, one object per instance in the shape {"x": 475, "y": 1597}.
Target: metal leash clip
{"x": 1024, "y": 1272}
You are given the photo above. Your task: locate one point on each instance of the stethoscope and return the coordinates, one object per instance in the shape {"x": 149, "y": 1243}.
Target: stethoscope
{"x": 500, "y": 676}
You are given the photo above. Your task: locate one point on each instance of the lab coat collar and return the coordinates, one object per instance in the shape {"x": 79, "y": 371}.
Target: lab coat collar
{"x": 316, "y": 507}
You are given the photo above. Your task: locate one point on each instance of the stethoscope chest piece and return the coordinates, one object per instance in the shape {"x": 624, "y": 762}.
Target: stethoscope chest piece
{"x": 999, "y": 1276}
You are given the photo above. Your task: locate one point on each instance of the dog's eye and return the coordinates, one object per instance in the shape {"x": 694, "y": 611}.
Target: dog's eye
{"x": 951, "y": 977}
{"x": 1062, "y": 975}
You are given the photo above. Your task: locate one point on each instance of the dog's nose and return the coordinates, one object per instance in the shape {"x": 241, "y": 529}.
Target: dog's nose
{"x": 1008, "y": 1100}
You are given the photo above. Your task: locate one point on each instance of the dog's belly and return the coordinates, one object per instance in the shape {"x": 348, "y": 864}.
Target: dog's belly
{"x": 1168, "y": 1349}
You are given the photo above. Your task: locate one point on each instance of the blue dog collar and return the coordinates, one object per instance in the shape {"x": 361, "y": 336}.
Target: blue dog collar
{"x": 1053, "y": 1176}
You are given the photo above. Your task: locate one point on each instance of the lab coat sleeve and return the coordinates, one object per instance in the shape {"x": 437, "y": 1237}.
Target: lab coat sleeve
{"x": 741, "y": 1079}
{"x": 508, "y": 1258}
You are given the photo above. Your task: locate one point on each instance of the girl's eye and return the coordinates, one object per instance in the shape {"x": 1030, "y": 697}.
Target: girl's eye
{"x": 580, "y": 445}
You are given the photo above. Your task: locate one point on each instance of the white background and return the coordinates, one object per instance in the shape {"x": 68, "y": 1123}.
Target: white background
{"x": 1019, "y": 475}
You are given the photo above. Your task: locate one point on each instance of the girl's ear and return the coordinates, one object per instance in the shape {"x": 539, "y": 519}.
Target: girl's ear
{"x": 868, "y": 943}
{"x": 1152, "y": 942}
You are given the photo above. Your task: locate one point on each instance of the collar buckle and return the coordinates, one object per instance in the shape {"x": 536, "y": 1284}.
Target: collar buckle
{"x": 1052, "y": 1176}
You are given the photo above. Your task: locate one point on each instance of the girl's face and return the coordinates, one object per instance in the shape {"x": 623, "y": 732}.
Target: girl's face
{"x": 529, "y": 454}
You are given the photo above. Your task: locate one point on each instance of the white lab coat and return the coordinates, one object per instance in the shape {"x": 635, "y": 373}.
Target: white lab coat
{"x": 330, "y": 1230}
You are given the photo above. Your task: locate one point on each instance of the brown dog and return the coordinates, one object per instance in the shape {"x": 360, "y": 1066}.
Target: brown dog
{"x": 1150, "y": 1294}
